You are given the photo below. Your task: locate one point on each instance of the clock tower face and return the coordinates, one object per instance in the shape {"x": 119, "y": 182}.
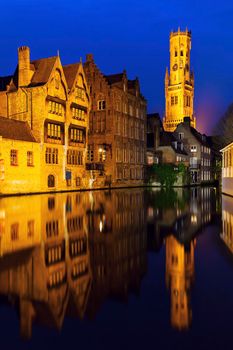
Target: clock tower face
{"x": 175, "y": 66}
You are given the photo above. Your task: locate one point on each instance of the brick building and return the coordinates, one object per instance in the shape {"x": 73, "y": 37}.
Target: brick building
{"x": 117, "y": 130}
{"x": 54, "y": 102}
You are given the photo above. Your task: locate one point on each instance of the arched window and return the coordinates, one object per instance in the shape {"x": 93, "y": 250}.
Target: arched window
{"x": 51, "y": 181}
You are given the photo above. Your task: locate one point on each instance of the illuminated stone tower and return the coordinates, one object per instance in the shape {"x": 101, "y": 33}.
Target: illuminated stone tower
{"x": 179, "y": 86}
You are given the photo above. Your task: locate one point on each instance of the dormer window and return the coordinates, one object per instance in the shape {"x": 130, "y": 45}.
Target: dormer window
{"x": 56, "y": 108}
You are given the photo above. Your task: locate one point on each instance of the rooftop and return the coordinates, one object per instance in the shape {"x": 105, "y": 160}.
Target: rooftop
{"x": 15, "y": 130}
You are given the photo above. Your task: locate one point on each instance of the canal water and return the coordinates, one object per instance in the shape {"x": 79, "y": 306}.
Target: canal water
{"x": 130, "y": 268}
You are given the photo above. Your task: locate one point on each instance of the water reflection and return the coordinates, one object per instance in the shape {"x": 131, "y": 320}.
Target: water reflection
{"x": 175, "y": 218}
{"x": 65, "y": 254}
{"x": 227, "y": 221}
{"x": 179, "y": 279}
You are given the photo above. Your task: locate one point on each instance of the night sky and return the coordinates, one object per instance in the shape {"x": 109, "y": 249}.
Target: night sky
{"x": 131, "y": 35}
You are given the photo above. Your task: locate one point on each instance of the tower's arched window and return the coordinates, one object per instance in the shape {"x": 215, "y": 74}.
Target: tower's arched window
{"x": 51, "y": 181}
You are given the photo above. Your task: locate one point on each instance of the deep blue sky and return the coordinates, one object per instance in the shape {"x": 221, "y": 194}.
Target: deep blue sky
{"x": 130, "y": 34}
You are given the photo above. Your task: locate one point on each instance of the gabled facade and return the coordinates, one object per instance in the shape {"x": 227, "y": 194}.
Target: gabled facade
{"x": 198, "y": 150}
{"x": 227, "y": 169}
{"x": 55, "y": 103}
{"x": 117, "y": 134}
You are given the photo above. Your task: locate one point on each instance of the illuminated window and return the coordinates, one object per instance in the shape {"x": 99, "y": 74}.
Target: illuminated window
{"x": 101, "y": 105}
{"x": 102, "y": 154}
{"x": 14, "y": 157}
{"x": 78, "y": 113}
{"x": 54, "y": 131}
{"x": 29, "y": 158}
{"x": 193, "y": 148}
{"x": 76, "y": 135}
{"x": 56, "y": 108}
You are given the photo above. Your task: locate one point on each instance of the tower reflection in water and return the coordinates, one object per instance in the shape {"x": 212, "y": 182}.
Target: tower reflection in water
{"x": 175, "y": 218}
{"x": 65, "y": 254}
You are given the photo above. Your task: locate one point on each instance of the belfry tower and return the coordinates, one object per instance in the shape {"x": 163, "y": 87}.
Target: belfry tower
{"x": 179, "y": 86}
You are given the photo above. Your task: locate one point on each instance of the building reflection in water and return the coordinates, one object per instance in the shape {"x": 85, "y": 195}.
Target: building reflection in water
{"x": 175, "y": 218}
{"x": 65, "y": 254}
{"x": 227, "y": 221}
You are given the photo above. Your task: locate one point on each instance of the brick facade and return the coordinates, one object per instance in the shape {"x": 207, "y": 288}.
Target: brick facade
{"x": 117, "y": 130}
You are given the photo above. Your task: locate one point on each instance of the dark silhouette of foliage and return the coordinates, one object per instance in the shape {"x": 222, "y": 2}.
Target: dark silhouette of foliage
{"x": 224, "y": 128}
{"x": 167, "y": 174}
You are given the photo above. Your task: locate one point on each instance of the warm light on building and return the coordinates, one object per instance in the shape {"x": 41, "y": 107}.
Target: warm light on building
{"x": 179, "y": 84}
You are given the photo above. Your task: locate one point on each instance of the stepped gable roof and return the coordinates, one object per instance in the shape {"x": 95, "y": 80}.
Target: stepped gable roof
{"x": 132, "y": 84}
{"x": 114, "y": 78}
{"x": 70, "y": 71}
{"x": 43, "y": 68}
{"x": 15, "y": 130}
{"x": 4, "y": 81}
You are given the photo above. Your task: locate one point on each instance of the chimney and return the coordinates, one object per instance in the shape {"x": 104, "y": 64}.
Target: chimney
{"x": 24, "y": 73}
{"x": 187, "y": 120}
{"x": 89, "y": 57}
